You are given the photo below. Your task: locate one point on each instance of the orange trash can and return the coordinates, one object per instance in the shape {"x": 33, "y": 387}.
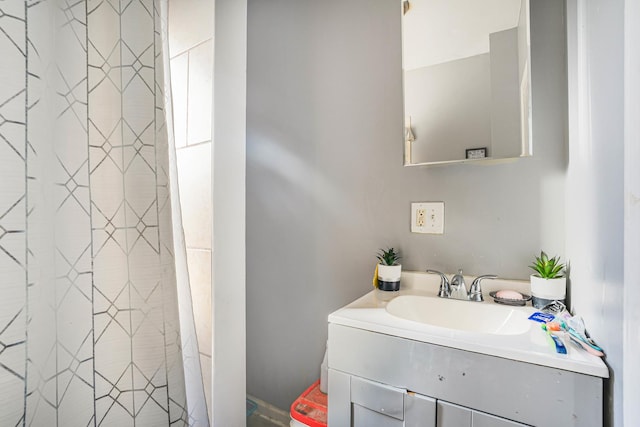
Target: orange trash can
{"x": 310, "y": 409}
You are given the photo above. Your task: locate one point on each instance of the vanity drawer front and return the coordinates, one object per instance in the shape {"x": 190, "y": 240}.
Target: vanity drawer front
{"x": 363, "y": 417}
{"x": 378, "y": 397}
{"x": 450, "y": 415}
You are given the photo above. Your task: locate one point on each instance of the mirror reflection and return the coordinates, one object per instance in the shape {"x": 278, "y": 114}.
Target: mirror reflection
{"x": 466, "y": 72}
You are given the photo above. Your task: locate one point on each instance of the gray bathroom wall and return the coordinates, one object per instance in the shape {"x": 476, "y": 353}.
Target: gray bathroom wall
{"x": 326, "y": 187}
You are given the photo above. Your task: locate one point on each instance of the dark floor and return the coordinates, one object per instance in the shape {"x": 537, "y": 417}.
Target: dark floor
{"x": 257, "y": 420}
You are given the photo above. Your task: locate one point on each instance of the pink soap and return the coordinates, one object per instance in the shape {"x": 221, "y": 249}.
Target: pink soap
{"x": 509, "y": 294}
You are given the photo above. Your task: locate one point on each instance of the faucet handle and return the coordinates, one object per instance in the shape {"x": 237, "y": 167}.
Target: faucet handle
{"x": 475, "y": 291}
{"x": 445, "y": 287}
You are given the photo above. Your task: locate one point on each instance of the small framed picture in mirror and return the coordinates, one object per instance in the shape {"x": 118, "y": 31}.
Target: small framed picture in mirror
{"x": 476, "y": 153}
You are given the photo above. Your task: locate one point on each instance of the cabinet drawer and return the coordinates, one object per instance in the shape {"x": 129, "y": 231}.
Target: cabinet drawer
{"x": 378, "y": 397}
{"x": 363, "y": 417}
{"x": 450, "y": 415}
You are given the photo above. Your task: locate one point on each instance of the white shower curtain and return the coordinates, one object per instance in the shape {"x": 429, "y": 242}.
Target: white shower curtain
{"x": 89, "y": 329}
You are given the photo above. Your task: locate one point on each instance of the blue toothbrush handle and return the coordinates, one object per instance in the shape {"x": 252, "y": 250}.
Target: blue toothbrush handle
{"x": 560, "y": 347}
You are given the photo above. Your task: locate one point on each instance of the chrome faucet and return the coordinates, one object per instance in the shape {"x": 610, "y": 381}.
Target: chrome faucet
{"x": 475, "y": 291}
{"x": 457, "y": 288}
{"x": 445, "y": 286}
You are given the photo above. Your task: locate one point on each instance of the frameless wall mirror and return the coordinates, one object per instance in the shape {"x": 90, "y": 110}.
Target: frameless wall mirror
{"x": 466, "y": 73}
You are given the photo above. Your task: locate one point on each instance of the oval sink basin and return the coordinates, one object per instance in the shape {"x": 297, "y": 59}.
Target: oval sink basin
{"x": 461, "y": 315}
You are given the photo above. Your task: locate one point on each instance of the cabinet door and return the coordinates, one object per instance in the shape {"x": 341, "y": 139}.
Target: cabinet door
{"x": 450, "y": 415}
{"x": 339, "y": 398}
{"x": 480, "y": 419}
{"x": 419, "y": 411}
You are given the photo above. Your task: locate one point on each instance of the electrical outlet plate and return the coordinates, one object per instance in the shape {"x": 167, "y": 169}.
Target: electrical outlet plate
{"x": 427, "y": 217}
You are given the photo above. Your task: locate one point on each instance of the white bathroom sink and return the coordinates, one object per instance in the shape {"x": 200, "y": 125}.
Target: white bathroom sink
{"x": 461, "y": 315}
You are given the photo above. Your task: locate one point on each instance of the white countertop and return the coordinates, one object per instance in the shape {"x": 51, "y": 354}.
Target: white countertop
{"x": 369, "y": 313}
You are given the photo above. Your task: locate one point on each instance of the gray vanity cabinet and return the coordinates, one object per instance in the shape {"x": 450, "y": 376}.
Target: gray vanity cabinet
{"x": 384, "y": 380}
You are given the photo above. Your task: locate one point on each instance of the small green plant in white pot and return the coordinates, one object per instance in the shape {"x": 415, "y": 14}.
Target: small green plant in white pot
{"x": 389, "y": 270}
{"x": 548, "y": 283}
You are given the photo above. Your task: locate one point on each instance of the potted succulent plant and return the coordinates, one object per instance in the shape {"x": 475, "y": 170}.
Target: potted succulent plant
{"x": 548, "y": 283}
{"x": 389, "y": 270}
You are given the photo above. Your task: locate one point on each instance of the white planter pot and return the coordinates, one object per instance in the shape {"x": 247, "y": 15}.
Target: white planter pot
{"x": 545, "y": 291}
{"x": 389, "y": 273}
{"x": 389, "y": 277}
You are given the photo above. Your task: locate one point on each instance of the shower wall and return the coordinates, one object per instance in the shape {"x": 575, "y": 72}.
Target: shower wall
{"x": 88, "y": 314}
{"x": 191, "y": 54}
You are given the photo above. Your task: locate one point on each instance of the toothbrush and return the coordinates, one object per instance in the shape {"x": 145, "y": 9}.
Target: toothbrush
{"x": 584, "y": 341}
{"x": 587, "y": 347}
{"x": 555, "y": 341}
{"x": 575, "y": 328}
{"x": 577, "y": 325}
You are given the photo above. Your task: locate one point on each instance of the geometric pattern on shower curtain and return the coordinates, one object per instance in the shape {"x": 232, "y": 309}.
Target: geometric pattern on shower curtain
{"x": 89, "y": 331}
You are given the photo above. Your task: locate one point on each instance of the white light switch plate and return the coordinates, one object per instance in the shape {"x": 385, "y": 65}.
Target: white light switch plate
{"x": 427, "y": 217}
